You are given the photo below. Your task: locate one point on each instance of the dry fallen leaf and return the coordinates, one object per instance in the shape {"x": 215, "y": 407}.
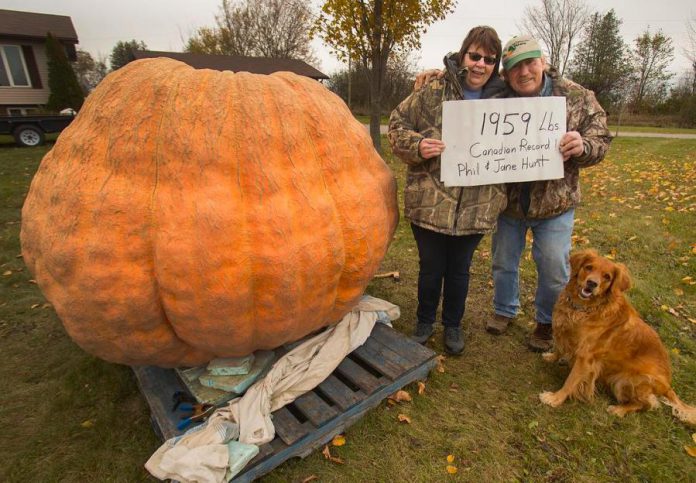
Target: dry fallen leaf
{"x": 421, "y": 388}
{"x": 678, "y": 292}
{"x": 440, "y": 364}
{"x": 87, "y": 424}
{"x": 310, "y": 478}
{"x": 691, "y": 451}
{"x": 400, "y": 396}
{"x": 404, "y": 419}
{"x": 327, "y": 454}
{"x": 451, "y": 469}
{"x": 693, "y": 436}
{"x": 450, "y": 458}
{"x": 35, "y": 305}
{"x": 338, "y": 440}
{"x": 7, "y": 272}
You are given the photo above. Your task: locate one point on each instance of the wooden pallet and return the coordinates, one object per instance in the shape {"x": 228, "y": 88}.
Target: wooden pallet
{"x": 385, "y": 363}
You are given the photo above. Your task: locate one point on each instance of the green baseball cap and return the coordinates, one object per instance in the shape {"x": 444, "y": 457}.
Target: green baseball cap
{"x": 519, "y": 48}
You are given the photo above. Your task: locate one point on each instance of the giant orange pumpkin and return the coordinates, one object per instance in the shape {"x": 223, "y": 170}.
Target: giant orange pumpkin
{"x": 191, "y": 214}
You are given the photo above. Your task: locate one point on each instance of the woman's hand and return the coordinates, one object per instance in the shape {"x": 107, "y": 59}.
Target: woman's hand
{"x": 430, "y": 148}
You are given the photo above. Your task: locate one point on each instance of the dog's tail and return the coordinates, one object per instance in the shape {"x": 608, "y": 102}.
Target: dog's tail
{"x": 681, "y": 410}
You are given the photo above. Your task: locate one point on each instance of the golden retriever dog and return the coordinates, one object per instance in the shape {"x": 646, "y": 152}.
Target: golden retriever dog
{"x": 604, "y": 340}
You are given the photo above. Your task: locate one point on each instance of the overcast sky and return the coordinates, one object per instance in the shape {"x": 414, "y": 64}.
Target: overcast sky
{"x": 165, "y": 24}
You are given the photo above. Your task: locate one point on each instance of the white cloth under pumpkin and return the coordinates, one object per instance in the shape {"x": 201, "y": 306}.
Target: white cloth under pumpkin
{"x": 203, "y": 455}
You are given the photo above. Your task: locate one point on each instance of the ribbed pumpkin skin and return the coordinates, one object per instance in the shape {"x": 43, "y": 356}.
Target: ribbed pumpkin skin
{"x": 191, "y": 214}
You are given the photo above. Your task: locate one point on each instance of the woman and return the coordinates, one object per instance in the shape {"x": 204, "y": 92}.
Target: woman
{"x": 447, "y": 222}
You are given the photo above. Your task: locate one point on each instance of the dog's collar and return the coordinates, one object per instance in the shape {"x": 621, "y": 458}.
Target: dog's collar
{"x": 581, "y": 308}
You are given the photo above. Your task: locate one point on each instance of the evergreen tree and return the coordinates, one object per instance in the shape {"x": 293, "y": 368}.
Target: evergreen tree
{"x": 122, "y": 53}
{"x": 601, "y": 62}
{"x": 62, "y": 81}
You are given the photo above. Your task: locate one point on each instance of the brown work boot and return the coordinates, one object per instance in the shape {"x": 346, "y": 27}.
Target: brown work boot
{"x": 498, "y": 324}
{"x": 541, "y": 339}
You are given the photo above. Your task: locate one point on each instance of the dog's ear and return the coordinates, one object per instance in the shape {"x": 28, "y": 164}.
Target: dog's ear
{"x": 578, "y": 259}
{"x": 622, "y": 278}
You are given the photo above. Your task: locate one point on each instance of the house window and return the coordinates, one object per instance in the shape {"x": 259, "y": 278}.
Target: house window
{"x": 13, "y": 68}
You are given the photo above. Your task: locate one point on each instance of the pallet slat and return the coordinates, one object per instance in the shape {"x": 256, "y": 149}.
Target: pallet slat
{"x": 287, "y": 427}
{"x": 404, "y": 346}
{"x": 358, "y": 376}
{"x": 315, "y": 408}
{"x": 380, "y": 361}
{"x": 338, "y": 392}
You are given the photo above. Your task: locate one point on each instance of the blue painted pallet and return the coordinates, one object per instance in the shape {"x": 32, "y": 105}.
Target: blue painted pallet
{"x": 385, "y": 363}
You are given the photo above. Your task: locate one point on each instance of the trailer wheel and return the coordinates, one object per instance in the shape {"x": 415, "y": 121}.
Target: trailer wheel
{"x": 29, "y": 136}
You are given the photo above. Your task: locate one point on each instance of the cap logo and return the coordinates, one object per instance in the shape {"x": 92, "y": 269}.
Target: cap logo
{"x": 512, "y": 47}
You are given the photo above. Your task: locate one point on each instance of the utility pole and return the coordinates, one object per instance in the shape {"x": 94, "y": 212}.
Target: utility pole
{"x": 350, "y": 75}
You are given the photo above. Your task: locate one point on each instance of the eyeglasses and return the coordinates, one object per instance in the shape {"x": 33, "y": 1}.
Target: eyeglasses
{"x": 475, "y": 57}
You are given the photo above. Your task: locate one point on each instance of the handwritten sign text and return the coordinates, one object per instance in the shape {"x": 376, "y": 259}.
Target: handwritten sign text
{"x": 502, "y": 140}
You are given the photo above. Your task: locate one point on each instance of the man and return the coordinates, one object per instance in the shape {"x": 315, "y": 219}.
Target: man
{"x": 546, "y": 208}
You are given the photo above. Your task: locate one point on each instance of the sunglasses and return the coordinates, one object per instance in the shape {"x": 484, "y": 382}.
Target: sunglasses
{"x": 475, "y": 57}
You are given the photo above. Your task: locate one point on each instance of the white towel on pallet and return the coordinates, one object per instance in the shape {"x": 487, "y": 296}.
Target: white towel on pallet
{"x": 203, "y": 456}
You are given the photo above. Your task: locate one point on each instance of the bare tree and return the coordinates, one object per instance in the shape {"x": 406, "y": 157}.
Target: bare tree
{"x": 556, "y": 23}
{"x": 263, "y": 28}
{"x": 89, "y": 71}
{"x": 690, "y": 51}
{"x": 651, "y": 56}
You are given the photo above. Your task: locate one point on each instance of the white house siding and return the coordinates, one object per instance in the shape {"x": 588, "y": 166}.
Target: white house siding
{"x": 27, "y": 96}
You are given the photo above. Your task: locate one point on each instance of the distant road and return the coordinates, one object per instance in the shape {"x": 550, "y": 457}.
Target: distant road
{"x": 622, "y": 134}
{"x": 627, "y": 134}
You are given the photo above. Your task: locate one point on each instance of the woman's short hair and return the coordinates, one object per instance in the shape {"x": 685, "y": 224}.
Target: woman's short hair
{"x": 485, "y": 37}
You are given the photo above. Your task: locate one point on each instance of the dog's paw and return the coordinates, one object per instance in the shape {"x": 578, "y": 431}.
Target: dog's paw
{"x": 551, "y": 398}
{"x": 549, "y": 356}
{"x": 616, "y": 411}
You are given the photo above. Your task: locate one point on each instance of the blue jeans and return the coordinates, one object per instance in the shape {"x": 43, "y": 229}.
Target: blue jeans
{"x": 551, "y": 252}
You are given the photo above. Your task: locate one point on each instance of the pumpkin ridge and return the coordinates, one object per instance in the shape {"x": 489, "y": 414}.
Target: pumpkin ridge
{"x": 294, "y": 84}
{"x": 350, "y": 138}
{"x": 305, "y": 183}
{"x": 168, "y": 102}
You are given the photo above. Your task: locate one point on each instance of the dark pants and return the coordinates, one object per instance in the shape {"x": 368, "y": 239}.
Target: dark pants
{"x": 448, "y": 258}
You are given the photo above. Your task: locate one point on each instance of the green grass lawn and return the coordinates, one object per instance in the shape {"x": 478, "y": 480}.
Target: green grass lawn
{"x": 67, "y": 416}
{"x": 653, "y": 129}
{"x": 366, "y": 119}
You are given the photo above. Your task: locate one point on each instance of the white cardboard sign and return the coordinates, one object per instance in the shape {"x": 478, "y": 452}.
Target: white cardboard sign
{"x": 491, "y": 141}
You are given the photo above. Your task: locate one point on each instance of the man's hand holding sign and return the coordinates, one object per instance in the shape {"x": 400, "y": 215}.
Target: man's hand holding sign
{"x": 505, "y": 140}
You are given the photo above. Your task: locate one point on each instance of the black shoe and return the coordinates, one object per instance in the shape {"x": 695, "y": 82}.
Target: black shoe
{"x": 454, "y": 340}
{"x": 422, "y": 332}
